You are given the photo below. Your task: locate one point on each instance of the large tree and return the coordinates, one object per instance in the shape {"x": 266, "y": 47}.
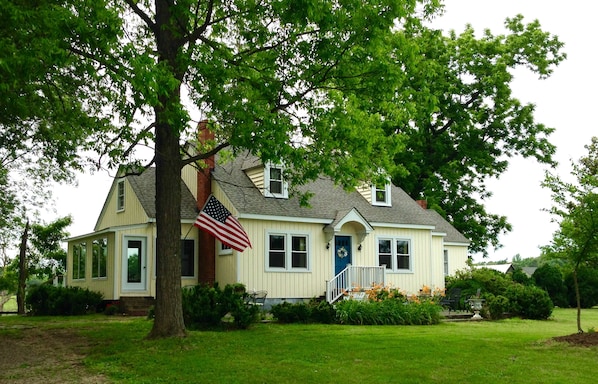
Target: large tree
{"x": 576, "y": 210}
{"x": 280, "y": 78}
{"x": 460, "y": 119}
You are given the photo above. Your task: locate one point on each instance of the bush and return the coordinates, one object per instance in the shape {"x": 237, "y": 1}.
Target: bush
{"x": 530, "y": 302}
{"x": 497, "y": 306}
{"x": 291, "y": 313}
{"x": 205, "y": 306}
{"x": 48, "y": 300}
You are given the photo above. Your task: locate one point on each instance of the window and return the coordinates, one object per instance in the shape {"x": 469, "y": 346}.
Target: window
{"x": 120, "y": 195}
{"x": 446, "y": 263}
{"x": 99, "y": 256}
{"x": 187, "y": 258}
{"x": 395, "y": 254}
{"x": 288, "y": 252}
{"x": 275, "y": 186}
{"x": 225, "y": 249}
{"x": 79, "y": 256}
{"x": 381, "y": 195}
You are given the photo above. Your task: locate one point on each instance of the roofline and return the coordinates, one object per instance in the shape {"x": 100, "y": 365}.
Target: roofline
{"x": 403, "y": 226}
{"x": 456, "y": 243}
{"x": 253, "y": 216}
{"x": 90, "y": 234}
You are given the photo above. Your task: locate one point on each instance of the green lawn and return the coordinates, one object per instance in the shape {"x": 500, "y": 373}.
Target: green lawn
{"x": 508, "y": 351}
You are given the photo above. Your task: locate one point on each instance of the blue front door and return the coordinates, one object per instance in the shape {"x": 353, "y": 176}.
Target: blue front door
{"x": 342, "y": 253}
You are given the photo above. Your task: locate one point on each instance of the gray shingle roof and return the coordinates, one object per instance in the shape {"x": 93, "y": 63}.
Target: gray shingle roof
{"x": 144, "y": 186}
{"x": 327, "y": 201}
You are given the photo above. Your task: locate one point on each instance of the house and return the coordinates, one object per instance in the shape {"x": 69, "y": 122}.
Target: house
{"x": 342, "y": 240}
{"x": 503, "y": 268}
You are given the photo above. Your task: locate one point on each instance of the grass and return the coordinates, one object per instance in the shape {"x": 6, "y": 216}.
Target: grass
{"x": 513, "y": 350}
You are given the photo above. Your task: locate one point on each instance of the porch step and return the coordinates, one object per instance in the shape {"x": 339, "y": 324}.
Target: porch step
{"x": 137, "y": 305}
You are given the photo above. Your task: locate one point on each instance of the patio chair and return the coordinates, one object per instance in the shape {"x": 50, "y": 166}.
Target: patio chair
{"x": 452, "y": 300}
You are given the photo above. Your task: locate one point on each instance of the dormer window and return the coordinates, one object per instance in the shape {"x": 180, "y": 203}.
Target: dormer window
{"x": 381, "y": 195}
{"x": 275, "y": 185}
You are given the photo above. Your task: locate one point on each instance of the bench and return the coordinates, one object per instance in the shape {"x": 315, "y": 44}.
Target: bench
{"x": 256, "y": 298}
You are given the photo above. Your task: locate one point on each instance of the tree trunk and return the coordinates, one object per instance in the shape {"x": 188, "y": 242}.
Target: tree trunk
{"x": 578, "y": 300}
{"x": 168, "y": 320}
{"x": 22, "y": 271}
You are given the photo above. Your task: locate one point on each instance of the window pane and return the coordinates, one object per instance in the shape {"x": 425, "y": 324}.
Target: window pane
{"x": 187, "y": 257}
{"x": 276, "y": 259}
{"x": 402, "y": 262}
{"x": 380, "y": 195}
{"x": 99, "y": 256}
{"x": 299, "y": 260}
{"x": 79, "y": 256}
{"x": 276, "y": 180}
{"x": 134, "y": 261}
{"x": 299, "y": 243}
{"x": 385, "y": 260}
{"x": 384, "y": 253}
{"x": 402, "y": 247}
{"x": 277, "y": 242}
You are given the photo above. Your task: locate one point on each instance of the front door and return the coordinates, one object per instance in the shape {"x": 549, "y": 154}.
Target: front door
{"x": 134, "y": 264}
{"x": 342, "y": 253}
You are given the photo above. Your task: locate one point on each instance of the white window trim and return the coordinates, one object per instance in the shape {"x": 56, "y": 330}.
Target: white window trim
{"x": 285, "y": 186}
{"x": 388, "y": 201}
{"x": 393, "y": 253}
{"x": 120, "y": 208}
{"x": 288, "y": 252}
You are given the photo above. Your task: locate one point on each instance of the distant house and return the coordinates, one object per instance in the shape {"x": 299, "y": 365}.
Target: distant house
{"x": 342, "y": 241}
{"x": 504, "y": 268}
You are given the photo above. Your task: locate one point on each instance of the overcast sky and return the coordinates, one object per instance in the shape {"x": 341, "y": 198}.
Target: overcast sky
{"x": 565, "y": 101}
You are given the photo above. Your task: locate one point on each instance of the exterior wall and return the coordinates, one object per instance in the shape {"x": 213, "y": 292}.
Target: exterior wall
{"x": 256, "y": 175}
{"x": 366, "y": 192}
{"x": 132, "y": 214}
{"x": 189, "y": 176}
{"x": 458, "y": 257}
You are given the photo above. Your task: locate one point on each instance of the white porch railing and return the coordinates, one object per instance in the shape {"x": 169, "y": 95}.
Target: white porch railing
{"x": 353, "y": 277}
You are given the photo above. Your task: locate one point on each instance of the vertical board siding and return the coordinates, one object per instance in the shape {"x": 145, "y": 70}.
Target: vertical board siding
{"x": 189, "y": 176}
{"x": 132, "y": 214}
{"x": 457, "y": 256}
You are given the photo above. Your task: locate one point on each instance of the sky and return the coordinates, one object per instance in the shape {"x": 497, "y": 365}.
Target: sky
{"x": 564, "y": 101}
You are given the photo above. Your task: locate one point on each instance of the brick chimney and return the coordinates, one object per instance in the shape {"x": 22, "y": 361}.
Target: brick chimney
{"x": 207, "y": 245}
{"x": 422, "y": 203}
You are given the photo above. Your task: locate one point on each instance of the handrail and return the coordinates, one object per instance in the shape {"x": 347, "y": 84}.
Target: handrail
{"x": 354, "y": 277}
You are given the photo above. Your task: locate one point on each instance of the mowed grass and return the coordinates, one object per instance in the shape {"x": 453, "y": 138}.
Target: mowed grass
{"x": 513, "y": 351}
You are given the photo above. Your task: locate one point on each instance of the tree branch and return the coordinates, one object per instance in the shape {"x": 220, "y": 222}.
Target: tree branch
{"x": 146, "y": 19}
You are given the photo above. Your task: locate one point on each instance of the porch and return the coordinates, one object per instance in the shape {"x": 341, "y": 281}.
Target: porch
{"x": 354, "y": 276}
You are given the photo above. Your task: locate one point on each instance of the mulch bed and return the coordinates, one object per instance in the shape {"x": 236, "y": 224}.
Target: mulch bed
{"x": 586, "y": 339}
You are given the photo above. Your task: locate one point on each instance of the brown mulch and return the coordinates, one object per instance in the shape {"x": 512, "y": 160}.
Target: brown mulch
{"x": 31, "y": 355}
{"x": 586, "y": 339}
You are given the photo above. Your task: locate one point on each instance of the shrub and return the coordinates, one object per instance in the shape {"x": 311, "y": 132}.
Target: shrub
{"x": 48, "y": 300}
{"x": 205, "y": 306}
{"x": 530, "y": 302}
{"x": 496, "y": 305}
{"x": 291, "y": 313}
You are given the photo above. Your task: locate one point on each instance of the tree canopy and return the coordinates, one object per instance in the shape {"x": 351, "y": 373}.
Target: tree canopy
{"x": 465, "y": 123}
{"x": 576, "y": 210}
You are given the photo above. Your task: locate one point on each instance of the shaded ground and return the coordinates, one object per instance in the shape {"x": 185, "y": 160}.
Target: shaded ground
{"x": 580, "y": 339}
{"x": 31, "y": 355}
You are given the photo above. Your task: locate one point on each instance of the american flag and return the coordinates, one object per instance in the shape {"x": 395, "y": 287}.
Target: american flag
{"x": 217, "y": 220}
